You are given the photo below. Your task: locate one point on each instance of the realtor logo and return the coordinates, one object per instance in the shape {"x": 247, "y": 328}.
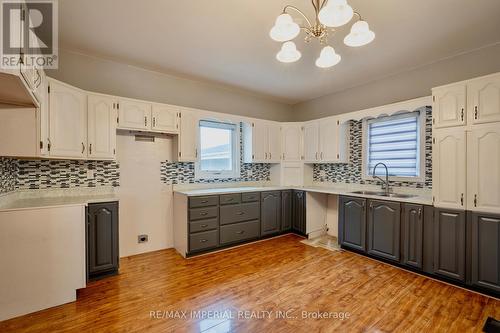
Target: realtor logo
{"x": 29, "y": 35}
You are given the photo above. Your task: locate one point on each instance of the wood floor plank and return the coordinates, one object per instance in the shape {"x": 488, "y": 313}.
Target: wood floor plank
{"x": 280, "y": 274}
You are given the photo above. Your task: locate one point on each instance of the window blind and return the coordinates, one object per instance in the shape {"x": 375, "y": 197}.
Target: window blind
{"x": 395, "y": 142}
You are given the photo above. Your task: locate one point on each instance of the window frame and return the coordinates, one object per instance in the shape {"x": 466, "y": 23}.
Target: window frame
{"x": 221, "y": 174}
{"x": 421, "y": 123}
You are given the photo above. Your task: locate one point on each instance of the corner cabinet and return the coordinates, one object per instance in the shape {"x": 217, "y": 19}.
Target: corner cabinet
{"x": 299, "y": 212}
{"x": 102, "y": 240}
{"x": 102, "y": 120}
{"x": 270, "y": 213}
{"x": 261, "y": 142}
{"x": 67, "y": 121}
{"x": 291, "y": 142}
{"x": 286, "y": 210}
{"x": 384, "y": 222}
{"x": 352, "y": 223}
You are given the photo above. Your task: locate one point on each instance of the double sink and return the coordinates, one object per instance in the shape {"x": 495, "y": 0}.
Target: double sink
{"x": 384, "y": 194}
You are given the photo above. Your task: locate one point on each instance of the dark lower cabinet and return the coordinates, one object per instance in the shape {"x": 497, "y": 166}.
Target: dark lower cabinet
{"x": 102, "y": 239}
{"x": 485, "y": 251}
{"x": 449, "y": 244}
{"x": 286, "y": 210}
{"x": 270, "y": 208}
{"x": 299, "y": 212}
{"x": 384, "y": 221}
{"x": 352, "y": 223}
{"x": 412, "y": 235}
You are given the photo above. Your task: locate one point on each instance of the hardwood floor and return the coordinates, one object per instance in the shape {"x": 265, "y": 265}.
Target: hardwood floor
{"x": 280, "y": 274}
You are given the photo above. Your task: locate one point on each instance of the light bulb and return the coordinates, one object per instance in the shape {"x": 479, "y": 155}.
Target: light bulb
{"x": 288, "y": 53}
{"x": 360, "y": 35}
{"x": 327, "y": 58}
{"x": 284, "y": 29}
{"x": 336, "y": 13}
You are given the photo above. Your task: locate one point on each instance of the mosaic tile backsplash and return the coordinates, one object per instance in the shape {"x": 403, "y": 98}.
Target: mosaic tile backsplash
{"x": 43, "y": 174}
{"x": 173, "y": 173}
{"x": 351, "y": 172}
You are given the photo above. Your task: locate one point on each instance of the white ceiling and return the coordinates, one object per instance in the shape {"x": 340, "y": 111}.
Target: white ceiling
{"x": 226, "y": 41}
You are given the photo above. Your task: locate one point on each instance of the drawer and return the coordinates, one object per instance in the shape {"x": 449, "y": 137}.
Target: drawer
{"x": 250, "y": 197}
{"x": 195, "y": 202}
{"x": 239, "y": 213}
{"x": 203, "y": 213}
{"x": 227, "y": 199}
{"x": 203, "y": 225}
{"x": 203, "y": 240}
{"x": 239, "y": 232}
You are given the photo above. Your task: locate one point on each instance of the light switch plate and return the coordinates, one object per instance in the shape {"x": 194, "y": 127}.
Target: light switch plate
{"x": 90, "y": 174}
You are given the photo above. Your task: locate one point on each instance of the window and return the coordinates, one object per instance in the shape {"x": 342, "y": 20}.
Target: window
{"x": 218, "y": 151}
{"x": 395, "y": 141}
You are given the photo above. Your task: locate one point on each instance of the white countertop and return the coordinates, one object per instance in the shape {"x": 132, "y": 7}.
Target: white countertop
{"x": 422, "y": 196}
{"x": 33, "y": 199}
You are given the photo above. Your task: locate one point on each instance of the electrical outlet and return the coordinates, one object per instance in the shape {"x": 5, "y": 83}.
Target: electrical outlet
{"x": 142, "y": 239}
{"x": 90, "y": 174}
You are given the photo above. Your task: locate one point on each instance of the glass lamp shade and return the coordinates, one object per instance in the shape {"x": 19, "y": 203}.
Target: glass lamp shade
{"x": 360, "y": 35}
{"x": 288, "y": 53}
{"x": 327, "y": 58}
{"x": 284, "y": 29}
{"x": 336, "y": 13}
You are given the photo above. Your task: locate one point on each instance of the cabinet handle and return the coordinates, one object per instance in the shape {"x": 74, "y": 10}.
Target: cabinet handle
{"x": 419, "y": 212}
{"x": 229, "y": 199}
{"x": 196, "y": 153}
{"x": 240, "y": 232}
{"x": 83, "y": 147}
{"x": 145, "y": 121}
{"x": 90, "y": 149}
{"x": 265, "y": 156}
{"x": 204, "y": 201}
{"x": 475, "y": 200}
{"x": 371, "y": 205}
{"x": 203, "y": 240}
{"x": 240, "y": 213}
{"x": 270, "y": 156}
{"x": 154, "y": 121}
{"x": 203, "y": 213}
{"x": 462, "y": 114}
{"x": 316, "y": 155}
{"x": 462, "y": 199}
{"x": 204, "y": 225}
{"x": 475, "y": 112}
{"x": 321, "y": 155}
{"x": 49, "y": 144}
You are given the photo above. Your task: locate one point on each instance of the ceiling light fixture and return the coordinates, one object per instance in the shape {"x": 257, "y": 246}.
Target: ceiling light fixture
{"x": 329, "y": 14}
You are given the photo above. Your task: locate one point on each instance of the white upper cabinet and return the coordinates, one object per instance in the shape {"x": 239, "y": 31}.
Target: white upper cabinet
{"x": 484, "y": 99}
{"x": 449, "y": 104}
{"x": 311, "y": 142}
{"x": 43, "y": 117}
{"x": 291, "y": 142}
{"x": 449, "y": 168}
{"x": 67, "y": 121}
{"x": 102, "y": 119}
{"x": 483, "y": 168}
{"x": 135, "y": 115}
{"x": 260, "y": 141}
{"x": 165, "y": 118}
{"x": 274, "y": 137}
{"x": 187, "y": 141}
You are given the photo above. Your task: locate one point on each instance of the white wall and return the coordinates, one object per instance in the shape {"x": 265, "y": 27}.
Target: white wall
{"x": 145, "y": 202}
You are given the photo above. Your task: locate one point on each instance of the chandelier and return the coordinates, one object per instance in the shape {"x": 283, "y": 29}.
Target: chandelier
{"x": 329, "y": 14}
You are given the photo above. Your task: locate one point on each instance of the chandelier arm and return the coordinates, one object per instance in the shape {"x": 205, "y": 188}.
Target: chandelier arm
{"x": 359, "y": 16}
{"x": 298, "y": 11}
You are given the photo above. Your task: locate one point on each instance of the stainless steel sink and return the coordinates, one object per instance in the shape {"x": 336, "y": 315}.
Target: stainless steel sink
{"x": 383, "y": 194}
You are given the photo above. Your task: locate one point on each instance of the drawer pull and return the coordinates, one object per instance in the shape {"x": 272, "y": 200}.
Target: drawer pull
{"x": 204, "y": 225}
{"x": 203, "y": 213}
{"x": 204, "y": 201}
{"x": 250, "y": 198}
{"x": 240, "y": 232}
{"x": 240, "y": 213}
{"x": 229, "y": 199}
{"x": 203, "y": 240}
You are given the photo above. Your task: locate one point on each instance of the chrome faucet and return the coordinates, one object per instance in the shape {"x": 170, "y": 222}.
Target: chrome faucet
{"x": 386, "y": 188}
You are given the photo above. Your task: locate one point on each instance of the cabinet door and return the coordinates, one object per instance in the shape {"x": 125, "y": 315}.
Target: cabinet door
{"x": 484, "y": 99}
{"x": 485, "y": 251}
{"x": 448, "y": 107}
{"x": 274, "y": 139}
{"x": 328, "y": 140}
{"x": 260, "y": 141}
{"x": 188, "y": 137}
{"x": 384, "y": 222}
{"x": 291, "y": 141}
{"x": 101, "y": 127}
{"x": 270, "y": 212}
{"x": 413, "y": 228}
{"x": 311, "y": 142}
{"x": 67, "y": 121}
{"x": 102, "y": 238}
{"x": 43, "y": 115}
{"x": 483, "y": 149}
{"x": 165, "y": 118}
{"x": 448, "y": 168}
{"x": 134, "y": 115}
{"x": 299, "y": 212}
{"x": 449, "y": 243}
{"x": 352, "y": 223}
{"x": 286, "y": 210}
